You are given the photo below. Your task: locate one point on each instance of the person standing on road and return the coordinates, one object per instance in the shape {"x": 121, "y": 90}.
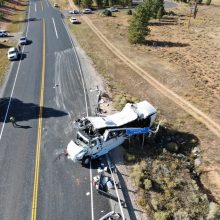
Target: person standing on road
{"x": 13, "y": 121}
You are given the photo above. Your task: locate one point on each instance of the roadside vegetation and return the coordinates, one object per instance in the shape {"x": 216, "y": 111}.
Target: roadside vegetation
{"x": 166, "y": 171}
{"x": 12, "y": 19}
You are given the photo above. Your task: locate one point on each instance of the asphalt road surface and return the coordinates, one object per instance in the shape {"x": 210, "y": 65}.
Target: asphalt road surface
{"x": 44, "y": 92}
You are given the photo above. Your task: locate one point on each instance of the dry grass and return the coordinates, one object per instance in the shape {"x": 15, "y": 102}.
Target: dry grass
{"x": 178, "y": 65}
{"x": 3, "y": 60}
{"x": 14, "y": 22}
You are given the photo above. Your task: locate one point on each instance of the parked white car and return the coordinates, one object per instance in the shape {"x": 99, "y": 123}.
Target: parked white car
{"x": 3, "y": 33}
{"x": 74, "y": 12}
{"x": 23, "y": 41}
{"x": 87, "y": 11}
{"x": 13, "y": 53}
{"x": 112, "y": 9}
{"x": 74, "y": 20}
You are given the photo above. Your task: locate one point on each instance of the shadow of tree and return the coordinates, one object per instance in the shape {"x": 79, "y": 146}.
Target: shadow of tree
{"x": 156, "y": 43}
{"x": 154, "y": 146}
{"x": 25, "y": 111}
{"x": 5, "y": 20}
{"x": 163, "y": 23}
{"x": 4, "y": 46}
{"x": 19, "y": 3}
{"x": 9, "y": 8}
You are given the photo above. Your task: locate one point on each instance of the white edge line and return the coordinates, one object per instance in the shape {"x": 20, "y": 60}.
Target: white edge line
{"x": 116, "y": 189}
{"x": 35, "y": 7}
{"x": 13, "y": 87}
{"x": 77, "y": 58}
{"x": 55, "y": 27}
{"x": 47, "y": 3}
{"x": 91, "y": 190}
{"x": 28, "y": 20}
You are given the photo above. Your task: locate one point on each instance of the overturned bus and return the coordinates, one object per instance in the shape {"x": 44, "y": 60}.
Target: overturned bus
{"x": 97, "y": 136}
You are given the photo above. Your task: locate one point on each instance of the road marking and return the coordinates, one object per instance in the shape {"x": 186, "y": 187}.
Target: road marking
{"x": 91, "y": 190}
{"x": 13, "y": 87}
{"x": 27, "y": 22}
{"x": 39, "y": 136}
{"x": 47, "y": 3}
{"x": 80, "y": 69}
{"x": 55, "y": 27}
{"x": 116, "y": 189}
{"x": 87, "y": 112}
{"x": 35, "y": 8}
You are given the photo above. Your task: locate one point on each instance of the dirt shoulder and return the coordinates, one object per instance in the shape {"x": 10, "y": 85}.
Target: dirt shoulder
{"x": 178, "y": 57}
{"x": 13, "y": 19}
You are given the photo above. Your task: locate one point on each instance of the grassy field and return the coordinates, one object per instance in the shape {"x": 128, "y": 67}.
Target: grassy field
{"x": 13, "y": 21}
{"x": 173, "y": 56}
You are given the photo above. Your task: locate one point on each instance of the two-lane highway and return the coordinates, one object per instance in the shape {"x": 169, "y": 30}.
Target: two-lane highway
{"x": 45, "y": 91}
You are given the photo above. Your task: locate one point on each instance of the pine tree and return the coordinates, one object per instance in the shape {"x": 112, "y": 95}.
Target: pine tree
{"x": 86, "y": 3}
{"x": 160, "y": 13}
{"x": 156, "y": 6}
{"x": 138, "y": 25}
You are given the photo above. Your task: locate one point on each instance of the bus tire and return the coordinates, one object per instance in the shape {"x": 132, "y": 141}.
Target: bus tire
{"x": 86, "y": 161}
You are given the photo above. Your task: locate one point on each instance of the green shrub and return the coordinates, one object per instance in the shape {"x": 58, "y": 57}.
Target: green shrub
{"x": 160, "y": 13}
{"x": 130, "y": 157}
{"x": 161, "y": 215}
{"x": 208, "y": 2}
{"x": 107, "y": 12}
{"x": 136, "y": 177}
{"x": 121, "y": 100}
{"x": 147, "y": 184}
{"x": 1, "y": 15}
{"x": 129, "y": 12}
{"x": 214, "y": 211}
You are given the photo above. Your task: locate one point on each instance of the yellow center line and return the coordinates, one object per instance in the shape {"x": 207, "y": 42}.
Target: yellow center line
{"x": 39, "y": 136}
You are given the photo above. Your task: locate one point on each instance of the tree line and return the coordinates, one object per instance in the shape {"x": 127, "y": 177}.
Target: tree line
{"x": 102, "y": 3}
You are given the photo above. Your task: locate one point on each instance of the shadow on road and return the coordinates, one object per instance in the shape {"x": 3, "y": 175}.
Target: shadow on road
{"x": 25, "y": 111}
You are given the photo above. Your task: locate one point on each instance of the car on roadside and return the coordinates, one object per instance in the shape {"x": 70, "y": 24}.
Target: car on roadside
{"x": 74, "y": 12}
{"x": 23, "y": 41}
{"x": 74, "y": 20}
{"x": 3, "y": 33}
{"x": 13, "y": 53}
{"x": 112, "y": 9}
{"x": 56, "y": 5}
{"x": 87, "y": 11}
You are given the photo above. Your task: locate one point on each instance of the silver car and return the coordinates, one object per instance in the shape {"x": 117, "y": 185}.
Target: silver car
{"x": 13, "y": 53}
{"x": 3, "y": 33}
{"x": 23, "y": 41}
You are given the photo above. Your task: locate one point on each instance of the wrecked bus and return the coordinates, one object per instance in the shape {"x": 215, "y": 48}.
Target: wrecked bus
{"x": 97, "y": 136}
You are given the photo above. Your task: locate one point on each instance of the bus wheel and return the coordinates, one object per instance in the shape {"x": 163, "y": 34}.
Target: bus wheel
{"x": 86, "y": 161}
